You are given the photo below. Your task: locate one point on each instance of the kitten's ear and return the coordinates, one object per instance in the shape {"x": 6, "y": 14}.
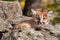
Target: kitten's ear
{"x": 50, "y": 13}
{"x": 33, "y": 11}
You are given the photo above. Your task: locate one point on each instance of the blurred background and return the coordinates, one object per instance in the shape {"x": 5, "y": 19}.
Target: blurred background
{"x": 53, "y": 5}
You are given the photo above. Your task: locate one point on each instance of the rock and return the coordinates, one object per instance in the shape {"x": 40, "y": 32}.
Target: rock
{"x": 29, "y": 34}
{"x": 57, "y": 25}
{"x": 22, "y": 18}
{"x": 32, "y": 34}
{"x": 10, "y": 11}
{"x": 4, "y": 25}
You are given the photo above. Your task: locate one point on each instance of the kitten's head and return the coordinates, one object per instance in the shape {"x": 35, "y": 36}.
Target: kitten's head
{"x": 41, "y": 15}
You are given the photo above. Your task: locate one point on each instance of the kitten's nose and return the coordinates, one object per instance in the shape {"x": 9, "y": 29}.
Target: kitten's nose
{"x": 43, "y": 22}
{"x": 40, "y": 23}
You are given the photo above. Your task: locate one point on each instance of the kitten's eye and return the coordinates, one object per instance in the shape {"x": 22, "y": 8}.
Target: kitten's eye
{"x": 43, "y": 18}
{"x": 38, "y": 17}
{"x": 43, "y": 22}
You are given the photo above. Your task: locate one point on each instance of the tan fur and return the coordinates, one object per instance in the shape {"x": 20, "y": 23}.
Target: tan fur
{"x": 25, "y": 24}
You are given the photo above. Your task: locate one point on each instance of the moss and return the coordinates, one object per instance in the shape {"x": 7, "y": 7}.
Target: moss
{"x": 51, "y": 6}
{"x": 58, "y": 10}
{"x": 56, "y": 20}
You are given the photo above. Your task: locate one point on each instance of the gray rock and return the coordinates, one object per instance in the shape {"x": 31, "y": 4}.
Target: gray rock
{"x": 22, "y": 18}
{"x": 32, "y": 34}
{"x": 4, "y": 25}
{"x": 10, "y": 11}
